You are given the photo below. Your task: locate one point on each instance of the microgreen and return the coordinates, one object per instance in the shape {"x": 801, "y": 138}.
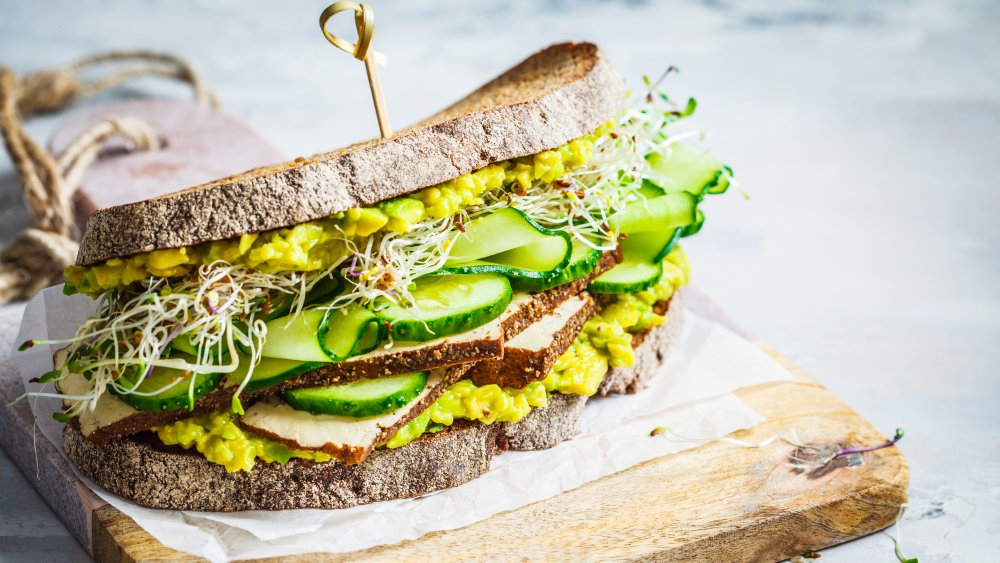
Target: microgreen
{"x": 896, "y": 539}
{"x": 899, "y": 553}
{"x": 847, "y": 451}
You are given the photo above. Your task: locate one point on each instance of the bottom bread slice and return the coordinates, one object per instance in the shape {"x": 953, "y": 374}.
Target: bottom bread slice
{"x": 164, "y": 477}
{"x": 157, "y": 476}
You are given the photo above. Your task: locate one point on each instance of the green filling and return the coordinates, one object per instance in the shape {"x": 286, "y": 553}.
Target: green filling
{"x": 219, "y": 438}
{"x": 604, "y": 342}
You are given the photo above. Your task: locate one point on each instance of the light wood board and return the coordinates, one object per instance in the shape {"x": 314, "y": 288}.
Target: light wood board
{"x": 716, "y": 502}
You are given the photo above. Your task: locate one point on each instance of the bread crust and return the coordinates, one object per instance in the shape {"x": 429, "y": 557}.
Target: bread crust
{"x": 557, "y": 95}
{"x": 158, "y": 476}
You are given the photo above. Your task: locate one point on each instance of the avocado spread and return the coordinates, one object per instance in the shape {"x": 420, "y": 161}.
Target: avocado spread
{"x": 217, "y": 437}
{"x": 318, "y": 244}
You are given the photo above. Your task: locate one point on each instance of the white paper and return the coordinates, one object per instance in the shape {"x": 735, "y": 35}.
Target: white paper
{"x": 692, "y": 396}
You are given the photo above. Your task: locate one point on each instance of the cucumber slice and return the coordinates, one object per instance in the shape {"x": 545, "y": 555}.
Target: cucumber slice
{"x": 504, "y": 229}
{"x": 631, "y": 276}
{"x": 350, "y": 331}
{"x": 539, "y": 257}
{"x": 687, "y": 168}
{"x": 447, "y": 304}
{"x": 665, "y": 212}
{"x": 649, "y": 190}
{"x": 359, "y": 399}
{"x": 693, "y": 228}
{"x": 319, "y": 335}
{"x": 323, "y": 290}
{"x": 653, "y": 226}
{"x": 268, "y": 372}
{"x": 295, "y": 337}
{"x": 508, "y": 242}
{"x": 183, "y": 344}
{"x": 169, "y": 399}
{"x": 277, "y": 307}
{"x": 582, "y": 261}
{"x": 651, "y": 246}
{"x": 641, "y": 267}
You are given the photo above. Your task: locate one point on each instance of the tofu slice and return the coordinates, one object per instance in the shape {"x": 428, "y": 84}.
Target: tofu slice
{"x": 347, "y": 439}
{"x": 529, "y": 356}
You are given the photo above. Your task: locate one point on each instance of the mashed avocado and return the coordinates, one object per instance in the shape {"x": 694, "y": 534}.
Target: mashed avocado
{"x": 464, "y": 399}
{"x": 221, "y": 440}
{"x": 606, "y": 339}
{"x": 318, "y": 244}
{"x": 604, "y": 342}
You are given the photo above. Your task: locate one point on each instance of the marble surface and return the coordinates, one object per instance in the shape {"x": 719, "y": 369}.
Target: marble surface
{"x": 864, "y": 133}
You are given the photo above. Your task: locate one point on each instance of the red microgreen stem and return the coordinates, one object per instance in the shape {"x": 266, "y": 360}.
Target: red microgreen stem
{"x": 897, "y": 437}
{"x": 217, "y": 310}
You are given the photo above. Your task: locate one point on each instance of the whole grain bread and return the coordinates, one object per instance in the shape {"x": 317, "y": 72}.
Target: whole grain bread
{"x": 169, "y": 477}
{"x": 561, "y": 93}
{"x": 151, "y": 474}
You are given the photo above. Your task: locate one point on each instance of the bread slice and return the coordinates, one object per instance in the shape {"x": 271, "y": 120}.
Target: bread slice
{"x": 158, "y": 476}
{"x": 559, "y": 94}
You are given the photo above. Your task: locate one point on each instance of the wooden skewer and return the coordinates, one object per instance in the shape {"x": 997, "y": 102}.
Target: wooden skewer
{"x": 380, "y": 112}
{"x": 364, "y": 20}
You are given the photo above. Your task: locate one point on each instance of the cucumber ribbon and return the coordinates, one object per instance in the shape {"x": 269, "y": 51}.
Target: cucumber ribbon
{"x": 323, "y": 335}
{"x": 667, "y": 212}
{"x": 510, "y": 243}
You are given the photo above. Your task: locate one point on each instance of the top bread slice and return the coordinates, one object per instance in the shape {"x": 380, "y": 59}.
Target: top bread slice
{"x": 554, "y": 96}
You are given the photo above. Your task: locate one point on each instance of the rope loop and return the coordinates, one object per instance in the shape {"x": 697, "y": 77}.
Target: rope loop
{"x": 37, "y": 257}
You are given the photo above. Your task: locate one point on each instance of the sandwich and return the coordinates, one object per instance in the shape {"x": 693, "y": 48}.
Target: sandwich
{"x": 377, "y": 322}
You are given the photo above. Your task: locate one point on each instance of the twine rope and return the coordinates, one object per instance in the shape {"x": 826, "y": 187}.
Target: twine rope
{"x": 37, "y": 257}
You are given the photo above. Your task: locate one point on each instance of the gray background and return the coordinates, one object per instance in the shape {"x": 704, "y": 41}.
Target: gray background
{"x": 865, "y": 133}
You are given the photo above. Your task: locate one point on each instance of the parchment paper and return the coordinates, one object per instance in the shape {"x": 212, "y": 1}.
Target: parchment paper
{"x": 693, "y": 396}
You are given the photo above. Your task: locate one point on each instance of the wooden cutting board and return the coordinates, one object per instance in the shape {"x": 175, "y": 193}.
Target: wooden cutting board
{"x": 716, "y": 502}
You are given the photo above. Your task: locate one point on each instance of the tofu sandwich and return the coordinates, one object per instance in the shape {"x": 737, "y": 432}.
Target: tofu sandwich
{"x": 378, "y": 322}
